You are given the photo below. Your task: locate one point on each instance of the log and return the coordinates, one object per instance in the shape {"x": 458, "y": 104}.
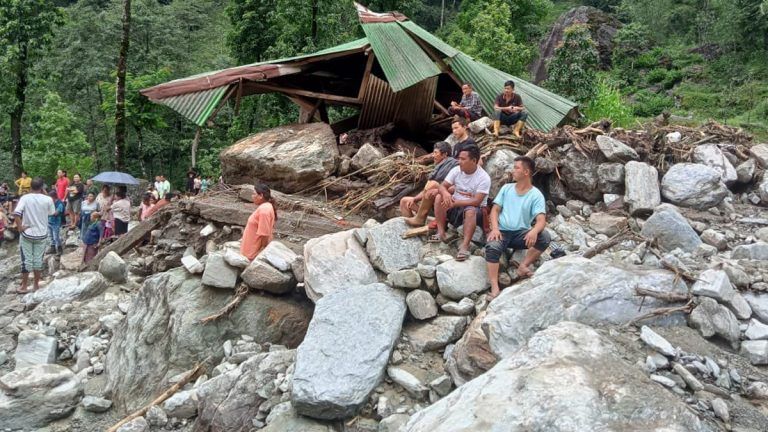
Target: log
{"x": 415, "y": 232}
{"x": 666, "y": 296}
{"x": 193, "y": 374}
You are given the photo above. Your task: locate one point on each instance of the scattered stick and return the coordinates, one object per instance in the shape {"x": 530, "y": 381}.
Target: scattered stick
{"x": 240, "y": 294}
{"x": 666, "y": 296}
{"x": 687, "y": 308}
{"x": 611, "y": 242}
{"x": 198, "y": 370}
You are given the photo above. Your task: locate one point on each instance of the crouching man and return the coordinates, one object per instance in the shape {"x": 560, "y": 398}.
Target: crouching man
{"x": 517, "y": 206}
{"x": 443, "y": 165}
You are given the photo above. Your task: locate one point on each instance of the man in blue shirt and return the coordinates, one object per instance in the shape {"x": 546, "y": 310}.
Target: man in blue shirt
{"x": 517, "y": 220}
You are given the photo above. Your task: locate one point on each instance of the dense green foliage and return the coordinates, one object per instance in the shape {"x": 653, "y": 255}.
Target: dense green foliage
{"x": 695, "y": 58}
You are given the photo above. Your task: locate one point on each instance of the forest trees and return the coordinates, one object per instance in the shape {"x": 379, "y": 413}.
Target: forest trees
{"x": 573, "y": 68}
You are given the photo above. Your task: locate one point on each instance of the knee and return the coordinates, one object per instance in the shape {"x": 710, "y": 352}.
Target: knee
{"x": 523, "y": 116}
{"x": 493, "y": 251}
{"x": 543, "y": 240}
{"x": 431, "y": 193}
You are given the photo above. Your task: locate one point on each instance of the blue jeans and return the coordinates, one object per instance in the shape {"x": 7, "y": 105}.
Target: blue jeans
{"x": 54, "y": 233}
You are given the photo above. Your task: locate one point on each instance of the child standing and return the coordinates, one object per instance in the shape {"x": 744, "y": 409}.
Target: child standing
{"x": 92, "y": 237}
{"x": 54, "y": 224}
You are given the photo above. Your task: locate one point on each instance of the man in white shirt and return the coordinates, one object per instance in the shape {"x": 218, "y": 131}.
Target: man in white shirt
{"x": 32, "y": 222}
{"x": 464, "y": 206}
{"x": 162, "y": 186}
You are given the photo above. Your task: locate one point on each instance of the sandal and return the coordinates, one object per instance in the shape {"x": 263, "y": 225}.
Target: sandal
{"x": 462, "y": 255}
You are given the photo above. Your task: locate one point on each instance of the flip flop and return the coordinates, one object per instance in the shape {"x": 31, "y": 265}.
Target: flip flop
{"x": 462, "y": 255}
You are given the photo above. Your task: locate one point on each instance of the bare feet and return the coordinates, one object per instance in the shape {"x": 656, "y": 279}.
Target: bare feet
{"x": 492, "y": 296}
{"x": 523, "y": 272}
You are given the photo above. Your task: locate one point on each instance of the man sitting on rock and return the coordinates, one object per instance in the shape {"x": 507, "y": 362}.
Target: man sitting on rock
{"x": 464, "y": 206}
{"x": 508, "y": 110}
{"x": 469, "y": 107}
{"x": 515, "y": 208}
{"x": 460, "y": 137}
{"x": 443, "y": 164}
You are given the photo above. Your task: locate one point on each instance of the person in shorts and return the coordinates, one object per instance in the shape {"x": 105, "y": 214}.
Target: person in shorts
{"x": 32, "y": 214}
{"x": 463, "y": 207}
{"x": 75, "y": 194}
{"x": 518, "y": 218}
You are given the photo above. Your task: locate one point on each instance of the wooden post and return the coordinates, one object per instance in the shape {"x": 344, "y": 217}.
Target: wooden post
{"x": 366, "y": 75}
{"x": 195, "y": 143}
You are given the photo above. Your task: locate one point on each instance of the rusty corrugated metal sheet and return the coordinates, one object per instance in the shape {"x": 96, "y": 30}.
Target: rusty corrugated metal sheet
{"x": 410, "y": 108}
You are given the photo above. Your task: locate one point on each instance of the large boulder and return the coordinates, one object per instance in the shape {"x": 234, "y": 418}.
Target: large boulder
{"x": 615, "y": 150}
{"x": 34, "y": 348}
{"x": 579, "y": 172}
{"x": 714, "y": 319}
{"x": 712, "y": 156}
{"x": 471, "y": 356}
{"x": 261, "y": 276}
{"x": 641, "y": 187}
{"x": 345, "y": 352}
{"x": 230, "y": 401}
{"x": 34, "y": 396}
{"x": 693, "y": 185}
{"x": 670, "y": 229}
{"x": 436, "y": 333}
{"x": 459, "y": 279}
{"x": 498, "y": 166}
{"x": 574, "y": 289}
{"x": 78, "y": 287}
{"x": 334, "y": 261}
{"x": 162, "y": 335}
{"x": 389, "y": 252}
{"x": 113, "y": 267}
{"x": 289, "y": 158}
{"x": 559, "y": 382}
{"x": 218, "y": 273}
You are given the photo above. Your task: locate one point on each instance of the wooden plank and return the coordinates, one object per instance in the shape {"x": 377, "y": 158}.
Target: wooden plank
{"x": 415, "y": 232}
{"x": 366, "y": 75}
{"x": 307, "y": 93}
{"x": 441, "y": 108}
{"x": 132, "y": 238}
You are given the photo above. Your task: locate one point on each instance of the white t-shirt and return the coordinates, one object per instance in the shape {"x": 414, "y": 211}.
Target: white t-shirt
{"x": 34, "y": 208}
{"x": 469, "y": 185}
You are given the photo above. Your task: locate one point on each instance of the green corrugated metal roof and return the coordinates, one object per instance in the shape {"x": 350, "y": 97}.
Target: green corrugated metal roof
{"x": 404, "y": 63}
{"x": 429, "y": 38}
{"x": 196, "y": 106}
{"x": 546, "y": 110}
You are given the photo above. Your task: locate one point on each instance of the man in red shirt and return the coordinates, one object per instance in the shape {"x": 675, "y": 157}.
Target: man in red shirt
{"x": 62, "y": 183}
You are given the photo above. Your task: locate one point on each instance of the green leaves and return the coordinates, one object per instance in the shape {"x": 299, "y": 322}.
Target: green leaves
{"x": 573, "y": 68}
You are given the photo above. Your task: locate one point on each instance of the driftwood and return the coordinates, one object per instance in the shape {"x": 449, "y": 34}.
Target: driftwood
{"x": 198, "y": 370}
{"x": 687, "y": 308}
{"x": 666, "y": 296}
{"x": 240, "y": 294}
{"x": 611, "y": 242}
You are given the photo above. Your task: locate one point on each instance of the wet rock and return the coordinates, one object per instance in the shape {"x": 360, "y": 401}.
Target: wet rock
{"x": 671, "y": 230}
{"x": 472, "y": 355}
{"x": 289, "y": 158}
{"x": 261, "y": 276}
{"x": 388, "y": 251}
{"x": 162, "y": 335}
{"x": 459, "y": 279}
{"x": 557, "y": 379}
{"x": 577, "y": 289}
{"x": 711, "y": 319}
{"x": 693, "y": 185}
{"x": 114, "y": 268}
{"x": 218, "y": 273}
{"x": 435, "y": 334}
{"x": 334, "y": 261}
{"x": 78, "y": 287}
{"x": 712, "y": 156}
{"x": 34, "y": 396}
{"x": 421, "y": 305}
{"x": 346, "y": 349}
{"x": 615, "y": 150}
{"x": 641, "y": 185}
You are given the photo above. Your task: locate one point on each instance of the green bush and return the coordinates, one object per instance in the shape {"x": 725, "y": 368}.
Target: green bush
{"x": 655, "y": 76}
{"x": 607, "y": 103}
{"x": 649, "y": 104}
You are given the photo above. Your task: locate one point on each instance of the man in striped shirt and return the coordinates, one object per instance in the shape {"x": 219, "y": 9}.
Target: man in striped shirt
{"x": 32, "y": 222}
{"x": 469, "y": 107}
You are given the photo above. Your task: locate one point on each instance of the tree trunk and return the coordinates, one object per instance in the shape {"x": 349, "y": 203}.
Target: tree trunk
{"x": 120, "y": 96}
{"x": 314, "y": 23}
{"x": 140, "y": 143}
{"x": 195, "y": 143}
{"x": 18, "y": 112}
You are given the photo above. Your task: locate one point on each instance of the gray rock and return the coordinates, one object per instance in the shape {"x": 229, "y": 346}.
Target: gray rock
{"x": 655, "y": 341}
{"x": 671, "y": 230}
{"x": 737, "y": 275}
{"x": 557, "y": 379}
{"x": 499, "y": 167}
{"x": 261, "y": 276}
{"x": 715, "y": 284}
{"x": 284, "y": 418}
{"x": 714, "y": 238}
{"x": 756, "y": 351}
{"x": 465, "y": 307}
{"x": 762, "y": 190}
{"x": 289, "y": 158}
{"x": 471, "y": 356}
{"x": 712, "y": 319}
{"x": 579, "y": 172}
{"x": 721, "y": 409}
{"x": 745, "y": 172}
{"x": 435, "y": 334}
{"x": 192, "y": 264}
{"x": 365, "y": 156}
{"x": 641, "y": 186}
{"x": 427, "y": 271}
{"x": 656, "y": 361}
{"x": 408, "y": 382}
{"x": 346, "y": 349}
{"x": 615, "y": 150}
{"x": 459, "y": 279}
{"x": 113, "y": 267}
{"x": 96, "y": 404}
{"x": 604, "y": 223}
{"x": 760, "y": 152}
{"x": 762, "y": 234}
{"x": 182, "y": 405}
{"x": 228, "y": 402}
{"x": 162, "y": 335}
{"x": 408, "y": 279}
{"x": 577, "y": 289}
{"x": 421, "y": 305}
{"x": 34, "y": 348}
{"x": 666, "y": 382}
{"x": 693, "y": 185}
{"x": 756, "y": 330}
{"x": 754, "y": 251}
{"x": 759, "y": 305}
{"x": 692, "y": 382}
{"x": 139, "y": 424}
{"x": 279, "y": 256}
{"x": 393, "y": 423}
{"x": 218, "y": 273}
{"x": 156, "y": 417}
{"x": 235, "y": 258}
{"x": 34, "y": 396}
{"x": 388, "y": 251}
{"x": 610, "y": 178}
{"x": 334, "y": 261}
{"x": 78, "y": 287}
{"x": 712, "y": 156}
